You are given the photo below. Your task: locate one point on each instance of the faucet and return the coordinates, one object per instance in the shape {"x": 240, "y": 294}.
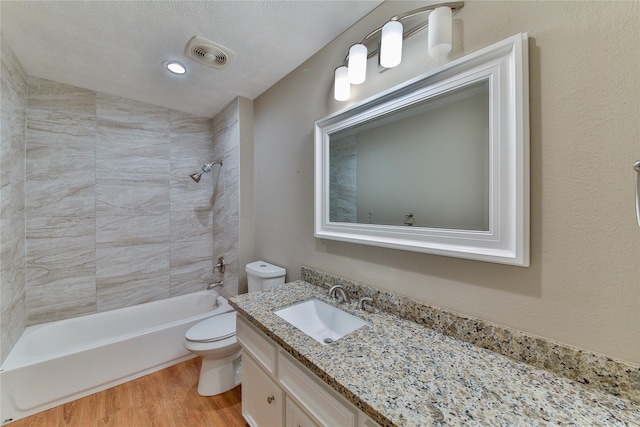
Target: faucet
{"x": 212, "y": 286}
{"x": 364, "y": 301}
{"x": 334, "y": 290}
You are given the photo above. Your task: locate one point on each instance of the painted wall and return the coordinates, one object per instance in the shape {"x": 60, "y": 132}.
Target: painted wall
{"x": 13, "y": 105}
{"x": 583, "y": 285}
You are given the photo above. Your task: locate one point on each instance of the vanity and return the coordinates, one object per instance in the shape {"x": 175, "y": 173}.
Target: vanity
{"x": 279, "y": 391}
{"x": 395, "y": 372}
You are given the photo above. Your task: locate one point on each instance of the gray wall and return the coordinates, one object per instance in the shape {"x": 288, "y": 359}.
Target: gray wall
{"x": 582, "y": 286}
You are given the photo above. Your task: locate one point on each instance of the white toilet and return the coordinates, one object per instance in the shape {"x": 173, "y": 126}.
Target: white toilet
{"x": 215, "y": 338}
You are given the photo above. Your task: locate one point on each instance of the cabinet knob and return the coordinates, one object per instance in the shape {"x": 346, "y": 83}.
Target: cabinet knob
{"x": 270, "y": 399}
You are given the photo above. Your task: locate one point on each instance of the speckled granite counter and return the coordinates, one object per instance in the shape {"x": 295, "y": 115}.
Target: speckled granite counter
{"x": 401, "y": 373}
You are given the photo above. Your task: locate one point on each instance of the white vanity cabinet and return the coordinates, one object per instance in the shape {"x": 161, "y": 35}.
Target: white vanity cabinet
{"x": 277, "y": 390}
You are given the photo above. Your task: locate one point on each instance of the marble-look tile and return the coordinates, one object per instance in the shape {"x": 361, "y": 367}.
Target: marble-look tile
{"x": 61, "y": 97}
{"x": 65, "y": 310}
{"x": 60, "y": 162}
{"x": 132, "y": 200}
{"x": 113, "y": 231}
{"x": 181, "y": 123}
{"x": 58, "y": 199}
{"x": 59, "y": 248}
{"x": 343, "y": 182}
{"x": 131, "y": 275}
{"x": 129, "y": 156}
{"x": 12, "y": 71}
{"x": 138, "y": 115}
{"x": 59, "y": 128}
{"x": 60, "y": 298}
{"x": 13, "y": 102}
{"x": 60, "y": 268}
{"x": 191, "y": 265}
{"x": 195, "y": 224}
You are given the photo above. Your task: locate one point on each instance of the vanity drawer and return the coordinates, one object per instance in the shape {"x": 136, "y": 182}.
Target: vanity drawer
{"x": 314, "y": 398}
{"x": 263, "y": 350}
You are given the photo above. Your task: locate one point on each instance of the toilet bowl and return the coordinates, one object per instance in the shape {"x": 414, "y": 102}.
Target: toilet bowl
{"x": 214, "y": 339}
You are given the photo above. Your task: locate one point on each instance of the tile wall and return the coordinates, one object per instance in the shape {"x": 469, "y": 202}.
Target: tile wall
{"x": 13, "y": 101}
{"x": 97, "y": 208}
{"x": 113, "y": 218}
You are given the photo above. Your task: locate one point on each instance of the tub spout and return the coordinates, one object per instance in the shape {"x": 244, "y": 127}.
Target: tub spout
{"x": 213, "y": 286}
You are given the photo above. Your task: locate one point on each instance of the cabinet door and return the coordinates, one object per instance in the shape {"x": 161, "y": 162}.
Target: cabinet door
{"x": 296, "y": 417}
{"x": 262, "y": 398}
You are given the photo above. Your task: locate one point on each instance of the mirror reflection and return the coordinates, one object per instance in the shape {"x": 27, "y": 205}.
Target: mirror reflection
{"x": 424, "y": 165}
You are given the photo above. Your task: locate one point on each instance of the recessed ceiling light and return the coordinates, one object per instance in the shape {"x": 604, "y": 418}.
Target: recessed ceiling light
{"x": 175, "y": 67}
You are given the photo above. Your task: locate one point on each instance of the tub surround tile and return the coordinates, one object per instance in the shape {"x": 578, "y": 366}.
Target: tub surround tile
{"x": 130, "y": 275}
{"x": 131, "y": 199}
{"x": 56, "y": 297}
{"x": 13, "y": 108}
{"x": 127, "y": 155}
{"x": 124, "y": 166}
{"x": 59, "y": 96}
{"x": 192, "y": 224}
{"x": 191, "y": 265}
{"x": 137, "y": 115}
{"x": 59, "y": 249}
{"x": 402, "y": 373}
{"x": 116, "y": 231}
{"x": 65, "y": 310}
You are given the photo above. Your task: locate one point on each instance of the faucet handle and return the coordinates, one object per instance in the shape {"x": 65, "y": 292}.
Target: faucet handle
{"x": 363, "y": 300}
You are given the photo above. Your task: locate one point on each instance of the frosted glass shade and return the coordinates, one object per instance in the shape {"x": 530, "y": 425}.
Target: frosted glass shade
{"x": 357, "y": 64}
{"x": 341, "y": 85}
{"x": 391, "y": 44}
{"x": 440, "y": 31}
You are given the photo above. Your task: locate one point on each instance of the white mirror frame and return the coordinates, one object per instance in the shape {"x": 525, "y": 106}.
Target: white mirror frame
{"x": 505, "y": 65}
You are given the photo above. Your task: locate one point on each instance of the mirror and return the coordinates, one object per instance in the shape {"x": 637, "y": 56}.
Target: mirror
{"x": 436, "y": 165}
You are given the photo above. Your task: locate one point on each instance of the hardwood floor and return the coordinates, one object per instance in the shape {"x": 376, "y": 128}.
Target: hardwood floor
{"x": 166, "y": 398}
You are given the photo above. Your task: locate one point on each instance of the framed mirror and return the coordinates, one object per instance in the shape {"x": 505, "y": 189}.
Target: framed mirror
{"x": 439, "y": 164}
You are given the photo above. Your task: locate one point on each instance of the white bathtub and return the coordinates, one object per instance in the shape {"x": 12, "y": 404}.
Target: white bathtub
{"x": 61, "y": 361}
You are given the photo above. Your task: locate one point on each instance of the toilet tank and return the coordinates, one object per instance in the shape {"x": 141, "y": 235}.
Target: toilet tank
{"x": 262, "y": 275}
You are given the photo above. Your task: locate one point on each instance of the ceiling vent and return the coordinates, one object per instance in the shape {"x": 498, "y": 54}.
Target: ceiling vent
{"x": 208, "y": 53}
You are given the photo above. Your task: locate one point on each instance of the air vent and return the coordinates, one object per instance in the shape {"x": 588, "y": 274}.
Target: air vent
{"x": 208, "y": 53}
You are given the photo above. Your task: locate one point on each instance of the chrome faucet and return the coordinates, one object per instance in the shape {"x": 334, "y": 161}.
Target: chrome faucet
{"x": 345, "y": 295}
{"x": 212, "y": 286}
{"x": 364, "y": 301}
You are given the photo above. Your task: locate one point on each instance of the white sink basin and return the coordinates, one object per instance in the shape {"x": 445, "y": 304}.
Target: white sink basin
{"x": 321, "y": 321}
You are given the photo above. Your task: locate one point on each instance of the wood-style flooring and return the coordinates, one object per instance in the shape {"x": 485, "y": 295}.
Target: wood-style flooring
{"x": 166, "y": 398}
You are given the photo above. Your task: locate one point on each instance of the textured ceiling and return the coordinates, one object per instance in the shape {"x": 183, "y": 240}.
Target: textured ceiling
{"x": 118, "y": 47}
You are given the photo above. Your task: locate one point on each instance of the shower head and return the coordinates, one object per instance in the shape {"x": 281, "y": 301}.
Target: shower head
{"x": 205, "y": 169}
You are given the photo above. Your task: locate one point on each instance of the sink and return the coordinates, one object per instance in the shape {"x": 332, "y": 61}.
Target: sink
{"x": 321, "y": 321}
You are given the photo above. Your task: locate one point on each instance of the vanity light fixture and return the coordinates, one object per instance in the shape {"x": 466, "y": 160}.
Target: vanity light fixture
{"x": 175, "y": 67}
{"x": 391, "y": 44}
{"x": 341, "y": 87}
{"x": 386, "y": 41}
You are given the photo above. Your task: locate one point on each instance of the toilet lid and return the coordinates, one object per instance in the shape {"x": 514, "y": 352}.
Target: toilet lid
{"x": 215, "y": 328}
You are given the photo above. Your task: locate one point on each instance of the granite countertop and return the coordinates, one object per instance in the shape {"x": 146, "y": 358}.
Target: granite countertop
{"x": 401, "y": 373}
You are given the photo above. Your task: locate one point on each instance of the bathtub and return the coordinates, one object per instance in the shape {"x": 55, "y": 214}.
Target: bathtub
{"x": 61, "y": 361}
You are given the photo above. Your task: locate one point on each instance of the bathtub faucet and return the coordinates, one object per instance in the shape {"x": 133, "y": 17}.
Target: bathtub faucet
{"x": 213, "y": 286}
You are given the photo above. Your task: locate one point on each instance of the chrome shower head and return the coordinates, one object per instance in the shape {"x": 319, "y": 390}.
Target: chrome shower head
{"x": 205, "y": 169}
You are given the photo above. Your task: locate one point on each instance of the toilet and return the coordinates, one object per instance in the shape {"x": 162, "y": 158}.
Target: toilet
{"x": 214, "y": 339}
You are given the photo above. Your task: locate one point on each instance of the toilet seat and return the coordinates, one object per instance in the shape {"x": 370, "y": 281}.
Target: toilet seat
{"x": 213, "y": 329}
